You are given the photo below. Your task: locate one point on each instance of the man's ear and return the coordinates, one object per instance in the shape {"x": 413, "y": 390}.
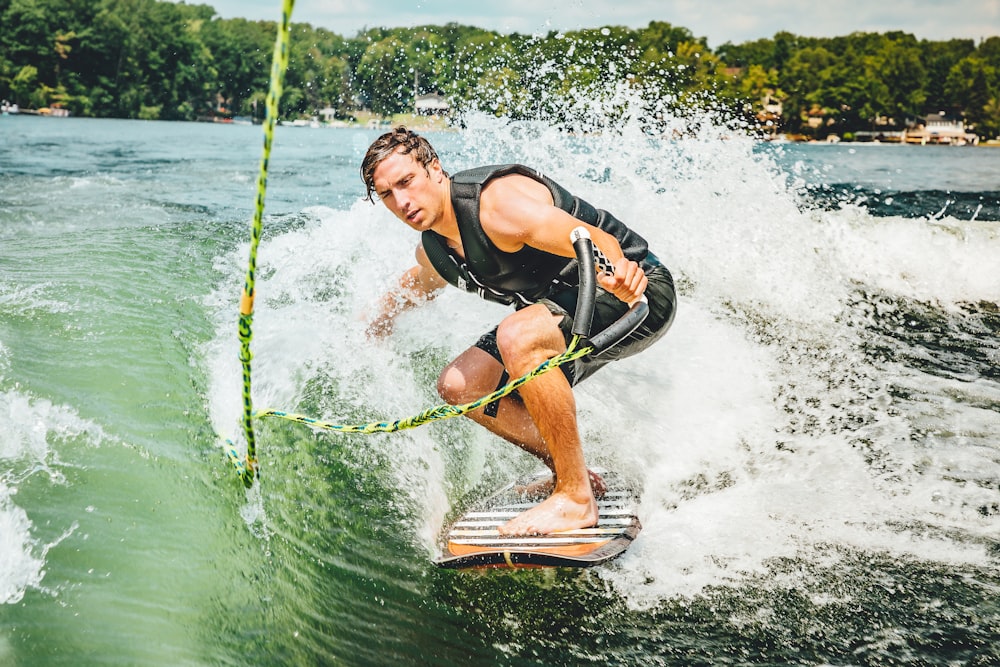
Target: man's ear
{"x": 435, "y": 170}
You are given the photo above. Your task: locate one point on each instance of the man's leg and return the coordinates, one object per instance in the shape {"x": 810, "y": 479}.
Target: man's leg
{"x": 526, "y": 339}
{"x": 476, "y": 373}
{"x": 544, "y": 424}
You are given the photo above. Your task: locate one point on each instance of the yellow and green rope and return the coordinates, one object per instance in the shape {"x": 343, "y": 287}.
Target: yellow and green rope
{"x": 246, "y": 466}
{"x": 445, "y": 411}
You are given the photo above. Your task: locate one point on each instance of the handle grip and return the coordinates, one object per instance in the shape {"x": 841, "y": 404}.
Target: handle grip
{"x": 586, "y": 298}
{"x": 588, "y": 257}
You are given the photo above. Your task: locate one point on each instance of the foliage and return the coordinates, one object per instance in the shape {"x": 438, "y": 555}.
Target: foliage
{"x": 158, "y": 59}
{"x": 854, "y": 82}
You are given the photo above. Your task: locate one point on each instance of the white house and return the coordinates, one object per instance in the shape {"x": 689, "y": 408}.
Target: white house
{"x": 940, "y": 128}
{"x": 431, "y": 104}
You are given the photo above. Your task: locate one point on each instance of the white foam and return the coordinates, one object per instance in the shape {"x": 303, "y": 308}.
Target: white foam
{"x": 20, "y": 566}
{"x": 319, "y": 285}
{"x": 31, "y": 425}
{"x": 946, "y": 261}
{"x": 740, "y": 423}
{"x": 758, "y": 428}
{"x": 28, "y": 300}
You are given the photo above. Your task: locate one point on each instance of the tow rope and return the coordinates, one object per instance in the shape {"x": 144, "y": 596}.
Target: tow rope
{"x": 247, "y": 465}
{"x": 445, "y": 411}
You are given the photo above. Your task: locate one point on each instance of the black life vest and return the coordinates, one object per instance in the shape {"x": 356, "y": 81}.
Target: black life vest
{"x": 529, "y": 274}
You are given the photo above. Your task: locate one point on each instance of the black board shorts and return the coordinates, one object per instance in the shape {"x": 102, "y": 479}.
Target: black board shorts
{"x": 662, "y": 299}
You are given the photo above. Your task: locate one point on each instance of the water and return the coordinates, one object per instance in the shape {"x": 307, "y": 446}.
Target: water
{"x": 815, "y": 441}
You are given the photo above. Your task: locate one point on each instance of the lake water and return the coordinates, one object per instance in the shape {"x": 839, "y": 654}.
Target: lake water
{"x": 815, "y": 441}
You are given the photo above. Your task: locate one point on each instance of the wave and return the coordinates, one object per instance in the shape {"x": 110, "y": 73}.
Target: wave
{"x": 33, "y": 427}
{"x": 785, "y": 411}
{"x": 25, "y": 451}
{"x": 929, "y": 204}
{"x": 22, "y": 566}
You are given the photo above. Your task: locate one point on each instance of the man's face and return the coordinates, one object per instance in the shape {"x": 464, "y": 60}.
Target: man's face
{"x": 413, "y": 194}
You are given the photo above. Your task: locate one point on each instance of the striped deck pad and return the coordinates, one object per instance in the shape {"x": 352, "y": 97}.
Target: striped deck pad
{"x": 474, "y": 541}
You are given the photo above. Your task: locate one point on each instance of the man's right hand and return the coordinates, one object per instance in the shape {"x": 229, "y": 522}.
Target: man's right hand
{"x": 627, "y": 283}
{"x": 417, "y": 285}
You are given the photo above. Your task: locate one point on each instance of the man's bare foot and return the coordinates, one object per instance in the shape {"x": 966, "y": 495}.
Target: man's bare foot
{"x": 560, "y": 511}
{"x": 544, "y": 487}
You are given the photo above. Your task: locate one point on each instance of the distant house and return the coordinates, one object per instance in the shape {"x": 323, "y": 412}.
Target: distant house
{"x": 941, "y": 128}
{"x": 431, "y": 104}
{"x": 881, "y": 136}
{"x": 328, "y": 114}
{"x": 770, "y": 109}
{"x": 55, "y": 111}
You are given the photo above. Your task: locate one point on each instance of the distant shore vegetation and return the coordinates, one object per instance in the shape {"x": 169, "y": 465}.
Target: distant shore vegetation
{"x": 152, "y": 59}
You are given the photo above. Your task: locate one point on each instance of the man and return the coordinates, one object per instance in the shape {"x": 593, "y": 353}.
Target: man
{"x": 504, "y": 232}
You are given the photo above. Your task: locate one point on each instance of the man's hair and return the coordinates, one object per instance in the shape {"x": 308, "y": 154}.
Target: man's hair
{"x": 399, "y": 139}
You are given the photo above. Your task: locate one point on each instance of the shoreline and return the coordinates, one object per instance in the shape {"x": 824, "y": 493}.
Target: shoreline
{"x": 442, "y": 124}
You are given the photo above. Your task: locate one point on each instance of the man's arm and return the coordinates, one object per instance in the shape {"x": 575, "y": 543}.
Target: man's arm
{"x": 417, "y": 285}
{"x": 516, "y": 211}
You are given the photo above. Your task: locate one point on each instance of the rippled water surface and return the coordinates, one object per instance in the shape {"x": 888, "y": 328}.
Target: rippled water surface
{"x": 815, "y": 441}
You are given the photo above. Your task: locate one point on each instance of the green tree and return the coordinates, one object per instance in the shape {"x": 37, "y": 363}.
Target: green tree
{"x": 969, "y": 85}
{"x": 938, "y": 58}
{"x": 160, "y": 59}
{"x": 486, "y": 75}
{"x": 385, "y": 75}
{"x": 903, "y": 73}
{"x": 241, "y": 56}
{"x": 26, "y": 35}
{"x": 758, "y": 52}
{"x": 25, "y": 87}
{"x": 989, "y": 122}
{"x": 807, "y": 78}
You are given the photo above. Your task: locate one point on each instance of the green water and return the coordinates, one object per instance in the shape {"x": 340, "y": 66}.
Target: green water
{"x": 804, "y": 502}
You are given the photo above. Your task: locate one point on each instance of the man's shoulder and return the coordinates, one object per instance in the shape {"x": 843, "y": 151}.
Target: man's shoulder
{"x": 486, "y": 173}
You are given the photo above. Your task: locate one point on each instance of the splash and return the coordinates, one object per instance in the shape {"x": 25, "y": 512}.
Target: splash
{"x": 20, "y": 567}
{"x": 26, "y": 450}
{"x": 764, "y": 426}
{"x": 769, "y": 423}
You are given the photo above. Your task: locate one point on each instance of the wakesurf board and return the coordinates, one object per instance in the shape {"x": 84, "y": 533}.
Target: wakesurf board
{"x": 472, "y": 540}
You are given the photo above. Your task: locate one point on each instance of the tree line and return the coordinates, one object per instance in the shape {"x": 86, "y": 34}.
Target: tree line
{"x": 162, "y": 60}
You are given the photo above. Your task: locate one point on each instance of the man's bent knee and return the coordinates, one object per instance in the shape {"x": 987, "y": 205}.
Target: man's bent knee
{"x": 468, "y": 377}
{"x": 451, "y": 386}
{"x": 529, "y": 330}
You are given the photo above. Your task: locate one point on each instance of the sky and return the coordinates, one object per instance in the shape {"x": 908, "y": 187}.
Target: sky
{"x": 719, "y": 21}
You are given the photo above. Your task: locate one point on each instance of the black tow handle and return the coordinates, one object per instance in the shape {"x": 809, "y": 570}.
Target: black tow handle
{"x": 591, "y": 259}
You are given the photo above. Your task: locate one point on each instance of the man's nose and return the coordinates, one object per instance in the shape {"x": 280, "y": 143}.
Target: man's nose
{"x": 402, "y": 201}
